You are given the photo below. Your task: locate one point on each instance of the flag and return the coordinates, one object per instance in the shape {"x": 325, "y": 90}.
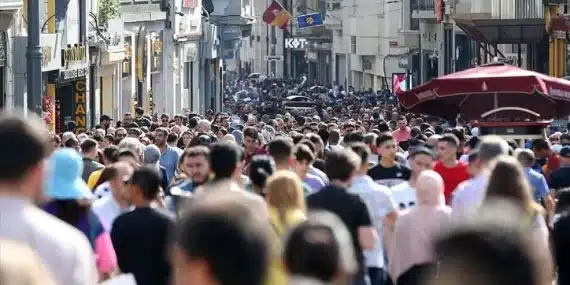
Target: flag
{"x": 309, "y": 20}
{"x": 276, "y": 15}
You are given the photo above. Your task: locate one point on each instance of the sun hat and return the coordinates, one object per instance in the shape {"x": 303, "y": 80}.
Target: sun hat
{"x": 63, "y": 180}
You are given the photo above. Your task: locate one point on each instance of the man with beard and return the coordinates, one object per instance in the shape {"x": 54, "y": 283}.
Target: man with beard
{"x": 194, "y": 168}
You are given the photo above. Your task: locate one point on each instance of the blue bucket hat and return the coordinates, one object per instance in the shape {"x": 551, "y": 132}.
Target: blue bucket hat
{"x": 63, "y": 180}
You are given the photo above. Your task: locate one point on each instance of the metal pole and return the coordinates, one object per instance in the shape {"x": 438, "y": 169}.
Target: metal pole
{"x": 34, "y": 59}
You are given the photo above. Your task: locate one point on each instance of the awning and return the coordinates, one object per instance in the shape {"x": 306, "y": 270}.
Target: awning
{"x": 503, "y": 31}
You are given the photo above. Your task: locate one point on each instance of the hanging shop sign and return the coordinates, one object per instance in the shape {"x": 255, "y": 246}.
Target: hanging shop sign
{"x": 155, "y": 52}
{"x": 128, "y": 56}
{"x": 295, "y": 43}
{"x": 141, "y": 54}
{"x": 3, "y": 48}
{"x": 191, "y": 51}
{"x": 74, "y": 56}
{"x": 80, "y": 106}
{"x": 74, "y": 63}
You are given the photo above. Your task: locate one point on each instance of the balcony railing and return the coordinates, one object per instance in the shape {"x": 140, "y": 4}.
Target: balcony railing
{"x": 422, "y": 5}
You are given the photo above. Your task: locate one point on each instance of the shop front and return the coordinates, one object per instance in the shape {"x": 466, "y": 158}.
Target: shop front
{"x": 113, "y": 56}
{"x": 72, "y": 93}
{"x": 51, "y": 62}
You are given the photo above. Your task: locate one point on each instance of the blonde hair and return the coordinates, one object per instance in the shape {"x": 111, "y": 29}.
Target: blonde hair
{"x": 285, "y": 192}
{"x": 19, "y": 265}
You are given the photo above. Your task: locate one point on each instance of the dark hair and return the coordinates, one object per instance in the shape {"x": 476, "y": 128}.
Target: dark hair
{"x": 23, "y": 146}
{"x": 172, "y": 137}
{"x": 303, "y": 153}
{"x": 540, "y": 144}
{"x": 310, "y": 144}
{"x": 70, "y": 211}
{"x": 383, "y": 127}
{"x": 280, "y": 149}
{"x": 297, "y": 138}
{"x": 309, "y": 256}
{"x": 228, "y": 236}
{"x": 261, "y": 167}
{"x": 111, "y": 153}
{"x": 384, "y": 137}
{"x": 490, "y": 255}
{"x": 88, "y": 145}
{"x": 224, "y": 158}
{"x": 194, "y": 151}
{"x": 341, "y": 164}
{"x": 148, "y": 180}
{"x": 109, "y": 173}
{"x": 362, "y": 150}
{"x": 450, "y": 139}
{"x": 250, "y": 132}
{"x": 98, "y": 138}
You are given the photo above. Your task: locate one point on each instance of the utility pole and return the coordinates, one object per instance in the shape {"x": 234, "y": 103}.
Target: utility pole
{"x": 34, "y": 59}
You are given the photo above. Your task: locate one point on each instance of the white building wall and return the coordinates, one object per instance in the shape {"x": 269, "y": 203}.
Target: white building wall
{"x": 374, "y": 26}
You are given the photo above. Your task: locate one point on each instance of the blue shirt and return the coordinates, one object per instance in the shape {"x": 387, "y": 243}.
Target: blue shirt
{"x": 537, "y": 182}
{"x": 169, "y": 160}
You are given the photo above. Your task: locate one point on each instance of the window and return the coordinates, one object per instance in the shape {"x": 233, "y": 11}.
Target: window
{"x": 258, "y": 38}
{"x": 353, "y": 44}
{"x": 335, "y": 6}
{"x": 251, "y": 41}
{"x": 228, "y": 44}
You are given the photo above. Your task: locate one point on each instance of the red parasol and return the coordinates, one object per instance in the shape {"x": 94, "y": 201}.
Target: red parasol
{"x": 478, "y": 90}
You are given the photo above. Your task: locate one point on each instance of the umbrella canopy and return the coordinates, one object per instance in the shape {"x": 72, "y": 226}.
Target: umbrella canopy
{"x": 478, "y": 90}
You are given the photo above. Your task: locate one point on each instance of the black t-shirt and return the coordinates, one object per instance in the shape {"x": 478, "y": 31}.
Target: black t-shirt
{"x": 560, "y": 238}
{"x": 389, "y": 176}
{"x": 560, "y": 178}
{"x": 140, "y": 241}
{"x": 348, "y": 207}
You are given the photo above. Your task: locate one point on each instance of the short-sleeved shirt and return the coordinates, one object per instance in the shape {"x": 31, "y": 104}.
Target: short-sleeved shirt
{"x": 452, "y": 176}
{"x": 348, "y": 207}
{"x": 169, "y": 160}
{"x": 404, "y": 196}
{"x": 389, "y": 177}
{"x": 537, "y": 182}
{"x": 380, "y": 203}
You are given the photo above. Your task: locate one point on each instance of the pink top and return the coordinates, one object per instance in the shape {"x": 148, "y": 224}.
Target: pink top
{"x": 414, "y": 233}
{"x": 402, "y": 135}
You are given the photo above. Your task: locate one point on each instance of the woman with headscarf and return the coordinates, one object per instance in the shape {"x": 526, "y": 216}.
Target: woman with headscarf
{"x": 410, "y": 253}
{"x": 69, "y": 199}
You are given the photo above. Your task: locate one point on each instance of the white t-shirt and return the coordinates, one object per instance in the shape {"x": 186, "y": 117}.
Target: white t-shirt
{"x": 404, "y": 196}
{"x": 379, "y": 203}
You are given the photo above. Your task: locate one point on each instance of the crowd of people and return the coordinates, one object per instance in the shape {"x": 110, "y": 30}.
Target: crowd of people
{"x": 352, "y": 192}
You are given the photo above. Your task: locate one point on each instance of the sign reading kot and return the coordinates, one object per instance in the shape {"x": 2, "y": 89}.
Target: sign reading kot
{"x": 296, "y": 43}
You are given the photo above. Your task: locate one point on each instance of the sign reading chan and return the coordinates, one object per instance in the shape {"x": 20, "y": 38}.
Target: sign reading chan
{"x": 80, "y": 106}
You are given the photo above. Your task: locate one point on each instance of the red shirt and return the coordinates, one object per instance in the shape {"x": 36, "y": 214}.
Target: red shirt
{"x": 451, "y": 177}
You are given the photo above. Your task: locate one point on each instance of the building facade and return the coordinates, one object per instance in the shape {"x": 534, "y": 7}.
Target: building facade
{"x": 9, "y": 11}
{"x": 365, "y": 42}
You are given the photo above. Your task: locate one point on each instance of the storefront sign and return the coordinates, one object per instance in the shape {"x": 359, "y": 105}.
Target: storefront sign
{"x": 80, "y": 107}
{"x": 295, "y": 43}
{"x": 141, "y": 54}
{"x": 155, "y": 52}
{"x": 73, "y": 56}
{"x": 74, "y": 74}
{"x": 128, "y": 57}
